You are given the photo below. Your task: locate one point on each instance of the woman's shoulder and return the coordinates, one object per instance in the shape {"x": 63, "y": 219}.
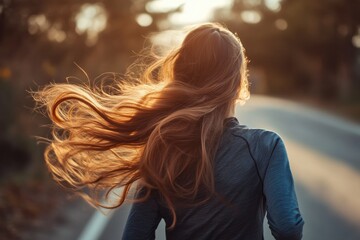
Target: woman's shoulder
{"x": 259, "y": 140}
{"x": 250, "y": 134}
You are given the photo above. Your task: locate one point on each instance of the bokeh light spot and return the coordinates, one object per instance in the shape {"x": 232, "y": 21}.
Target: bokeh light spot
{"x": 281, "y": 24}
{"x": 356, "y": 41}
{"x": 91, "y": 19}
{"x": 251, "y": 3}
{"x": 273, "y": 5}
{"x": 56, "y": 34}
{"x": 144, "y": 19}
{"x": 251, "y": 16}
{"x": 37, "y": 23}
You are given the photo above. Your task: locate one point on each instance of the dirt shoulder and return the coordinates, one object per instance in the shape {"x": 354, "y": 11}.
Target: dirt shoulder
{"x": 41, "y": 211}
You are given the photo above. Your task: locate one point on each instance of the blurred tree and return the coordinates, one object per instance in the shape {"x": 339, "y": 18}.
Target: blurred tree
{"x": 304, "y": 46}
{"x": 57, "y": 33}
{"x": 323, "y": 31}
{"x": 265, "y": 45}
{"x": 41, "y": 40}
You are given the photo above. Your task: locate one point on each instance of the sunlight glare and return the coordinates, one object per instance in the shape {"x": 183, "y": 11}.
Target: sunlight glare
{"x": 197, "y": 11}
{"x": 162, "y": 6}
{"x": 167, "y": 40}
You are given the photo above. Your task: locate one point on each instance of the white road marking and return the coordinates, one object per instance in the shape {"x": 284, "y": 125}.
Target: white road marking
{"x": 98, "y": 221}
{"x": 96, "y": 225}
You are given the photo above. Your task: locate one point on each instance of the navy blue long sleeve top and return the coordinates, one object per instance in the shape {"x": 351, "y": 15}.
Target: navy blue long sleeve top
{"x": 253, "y": 174}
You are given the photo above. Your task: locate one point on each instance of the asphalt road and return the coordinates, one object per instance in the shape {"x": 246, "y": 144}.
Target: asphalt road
{"x": 324, "y": 153}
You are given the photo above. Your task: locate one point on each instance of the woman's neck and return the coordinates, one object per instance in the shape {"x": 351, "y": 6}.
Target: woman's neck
{"x": 232, "y": 112}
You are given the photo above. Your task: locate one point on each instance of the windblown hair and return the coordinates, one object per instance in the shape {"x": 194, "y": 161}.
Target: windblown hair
{"x": 160, "y": 131}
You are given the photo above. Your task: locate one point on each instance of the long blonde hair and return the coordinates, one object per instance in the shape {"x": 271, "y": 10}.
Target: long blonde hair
{"x": 160, "y": 130}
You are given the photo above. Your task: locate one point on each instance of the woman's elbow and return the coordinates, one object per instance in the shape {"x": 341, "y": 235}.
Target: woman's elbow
{"x": 289, "y": 231}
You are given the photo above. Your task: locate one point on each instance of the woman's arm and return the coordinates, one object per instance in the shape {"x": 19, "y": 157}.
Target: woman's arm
{"x": 283, "y": 213}
{"x": 143, "y": 220}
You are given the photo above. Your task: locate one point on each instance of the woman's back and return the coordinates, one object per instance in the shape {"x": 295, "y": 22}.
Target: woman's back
{"x": 252, "y": 176}
{"x": 168, "y": 132}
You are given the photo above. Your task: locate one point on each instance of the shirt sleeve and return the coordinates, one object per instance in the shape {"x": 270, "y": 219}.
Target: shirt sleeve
{"x": 283, "y": 213}
{"x": 143, "y": 219}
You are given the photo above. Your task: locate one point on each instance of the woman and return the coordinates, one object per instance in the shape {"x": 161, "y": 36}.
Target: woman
{"x": 173, "y": 133}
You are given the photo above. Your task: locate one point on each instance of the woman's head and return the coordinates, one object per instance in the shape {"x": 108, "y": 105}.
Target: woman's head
{"x": 210, "y": 60}
{"x": 209, "y": 56}
{"x": 160, "y": 131}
